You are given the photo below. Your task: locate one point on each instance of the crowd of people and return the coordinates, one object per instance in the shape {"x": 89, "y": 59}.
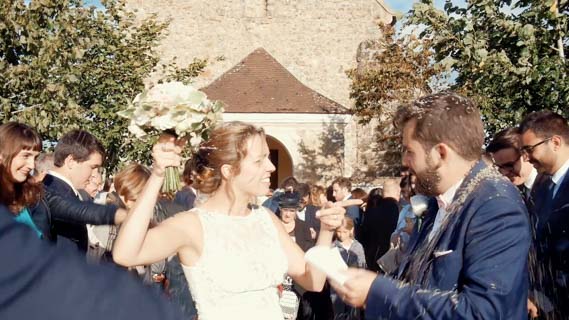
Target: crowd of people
{"x": 465, "y": 232}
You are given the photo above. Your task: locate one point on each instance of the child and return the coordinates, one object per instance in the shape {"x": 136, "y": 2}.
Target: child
{"x": 353, "y": 254}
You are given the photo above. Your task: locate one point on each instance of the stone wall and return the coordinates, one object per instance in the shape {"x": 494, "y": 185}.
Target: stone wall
{"x": 316, "y": 40}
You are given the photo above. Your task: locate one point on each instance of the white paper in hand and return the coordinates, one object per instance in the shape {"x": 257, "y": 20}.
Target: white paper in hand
{"x": 329, "y": 261}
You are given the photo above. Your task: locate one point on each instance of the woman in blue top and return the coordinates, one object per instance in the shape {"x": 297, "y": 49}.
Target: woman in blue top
{"x": 19, "y": 147}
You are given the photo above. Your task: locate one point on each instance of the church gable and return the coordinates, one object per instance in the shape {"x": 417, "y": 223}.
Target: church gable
{"x": 260, "y": 84}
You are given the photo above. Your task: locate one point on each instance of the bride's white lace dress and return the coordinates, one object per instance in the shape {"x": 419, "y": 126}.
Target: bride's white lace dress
{"x": 241, "y": 265}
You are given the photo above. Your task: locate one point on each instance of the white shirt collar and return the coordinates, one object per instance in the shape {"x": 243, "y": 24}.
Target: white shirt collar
{"x": 301, "y": 214}
{"x": 64, "y": 179}
{"x": 347, "y": 197}
{"x": 531, "y": 178}
{"x": 560, "y": 173}
{"x": 447, "y": 196}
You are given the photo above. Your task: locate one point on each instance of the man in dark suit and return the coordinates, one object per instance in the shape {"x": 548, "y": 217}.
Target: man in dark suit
{"x": 43, "y": 281}
{"x": 341, "y": 188}
{"x": 545, "y": 139}
{"x": 505, "y": 151}
{"x": 469, "y": 258}
{"x": 77, "y": 156}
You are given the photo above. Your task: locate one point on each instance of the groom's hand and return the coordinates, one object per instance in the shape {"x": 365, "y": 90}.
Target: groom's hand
{"x": 355, "y": 290}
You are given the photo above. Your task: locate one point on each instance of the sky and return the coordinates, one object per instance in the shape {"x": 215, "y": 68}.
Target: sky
{"x": 405, "y": 5}
{"x": 397, "y": 5}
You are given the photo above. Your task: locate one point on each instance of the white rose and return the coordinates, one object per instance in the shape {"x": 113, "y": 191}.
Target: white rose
{"x": 196, "y": 117}
{"x": 141, "y": 117}
{"x": 163, "y": 122}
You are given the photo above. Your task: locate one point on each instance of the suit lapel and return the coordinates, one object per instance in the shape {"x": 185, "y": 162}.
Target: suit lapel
{"x": 561, "y": 197}
{"x": 59, "y": 186}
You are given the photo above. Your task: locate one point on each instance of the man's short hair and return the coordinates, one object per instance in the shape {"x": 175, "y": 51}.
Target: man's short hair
{"x": 289, "y": 182}
{"x": 505, "y": 139}
{"x": 545, "y": 124}
{"x": 79, "y": 144}
{"x": 303, "y": 189}
{"x": 343, "y": 183}
{"x": 448, "y": 118}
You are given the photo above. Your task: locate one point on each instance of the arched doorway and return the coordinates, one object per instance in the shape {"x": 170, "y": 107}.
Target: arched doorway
{"x": 282, "y": 160}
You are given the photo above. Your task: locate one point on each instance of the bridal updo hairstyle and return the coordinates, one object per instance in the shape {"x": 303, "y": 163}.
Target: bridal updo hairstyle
{"x": 227, "y": 144}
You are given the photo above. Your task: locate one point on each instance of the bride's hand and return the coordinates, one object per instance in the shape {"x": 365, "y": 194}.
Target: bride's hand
{"x": 166, "y": 153}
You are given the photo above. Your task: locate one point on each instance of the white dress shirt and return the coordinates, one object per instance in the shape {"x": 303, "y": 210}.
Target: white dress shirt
{"x": 444, "y": 200}
{"x": 301, "y": 214}
{"x": 59, "y": 176}
{"x": 558, "y": 177}
{"x": 531, "y": 179}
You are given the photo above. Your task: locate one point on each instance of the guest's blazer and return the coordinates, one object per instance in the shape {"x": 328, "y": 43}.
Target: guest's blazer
{"x": 41, "y": 281}
{"x": 478, "y": 269}
{"x": 552, "y": 243}
{"x": 68, "y": 214}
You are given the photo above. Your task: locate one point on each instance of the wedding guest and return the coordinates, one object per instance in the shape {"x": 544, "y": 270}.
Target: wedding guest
{"x": 317, "y": 200}
{"x": 19, "y": 147}
{"x": 352, "y": 253}
{"x": 187, "y": 196}
{"x": 43, "y": 281}
{"x": 77, "y": 156}
{"x": 232, "y": 167}
{"x": 506, "y": 155}
{"x": 289, "y": 204}
{"x": 303, "y": 191}
{"x": 505, "y": 149}
{"x": 272, "y": 203}
{"x": 166, "y": 274}
{"x": 44, "y": 163}
{"x": 407, "y": 219}
{"x": 94, "y": 186}
{"x": 545, "y": 142}
{"x": 341, "y": 190}
{"x": 379, "y": 223}
{"x": 469, "y": 258}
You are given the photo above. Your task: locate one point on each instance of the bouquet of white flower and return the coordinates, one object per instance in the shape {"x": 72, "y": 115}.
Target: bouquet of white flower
{"x": 175, "y": 108}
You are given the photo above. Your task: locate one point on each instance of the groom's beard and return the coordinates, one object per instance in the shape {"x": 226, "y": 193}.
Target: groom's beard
{"x": 428, "y": 180}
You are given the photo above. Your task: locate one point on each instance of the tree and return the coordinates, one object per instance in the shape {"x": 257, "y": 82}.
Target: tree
{"x": 65, "y": 66}
{"x": 391, "y": 72}
{"x": 508, "y": 55}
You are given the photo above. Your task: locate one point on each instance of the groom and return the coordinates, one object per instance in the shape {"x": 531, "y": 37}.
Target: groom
{"x": 469, "y": 258}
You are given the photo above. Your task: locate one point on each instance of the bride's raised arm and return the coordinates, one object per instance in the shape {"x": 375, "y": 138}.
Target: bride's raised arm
{"x": 136, "y": 244}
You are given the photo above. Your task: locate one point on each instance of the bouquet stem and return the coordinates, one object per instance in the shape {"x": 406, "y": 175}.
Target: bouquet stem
{"x": 171, "y": 183}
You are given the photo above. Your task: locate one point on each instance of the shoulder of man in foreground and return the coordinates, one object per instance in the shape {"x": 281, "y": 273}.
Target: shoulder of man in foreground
{"x": 43, "y": 281}
{"x": 482, "y": 264}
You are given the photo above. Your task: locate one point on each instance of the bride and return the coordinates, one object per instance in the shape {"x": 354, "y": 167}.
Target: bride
{"x": 234, "y": 254}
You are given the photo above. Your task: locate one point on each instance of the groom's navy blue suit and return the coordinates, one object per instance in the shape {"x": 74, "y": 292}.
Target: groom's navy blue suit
{"x": 478, "y": 269}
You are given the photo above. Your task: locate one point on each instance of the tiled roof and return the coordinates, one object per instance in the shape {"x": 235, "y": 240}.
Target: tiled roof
{"x": 260, "y": 84}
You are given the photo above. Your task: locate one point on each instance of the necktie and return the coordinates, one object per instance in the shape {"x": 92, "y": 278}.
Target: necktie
{"x": 547, "y": 205}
